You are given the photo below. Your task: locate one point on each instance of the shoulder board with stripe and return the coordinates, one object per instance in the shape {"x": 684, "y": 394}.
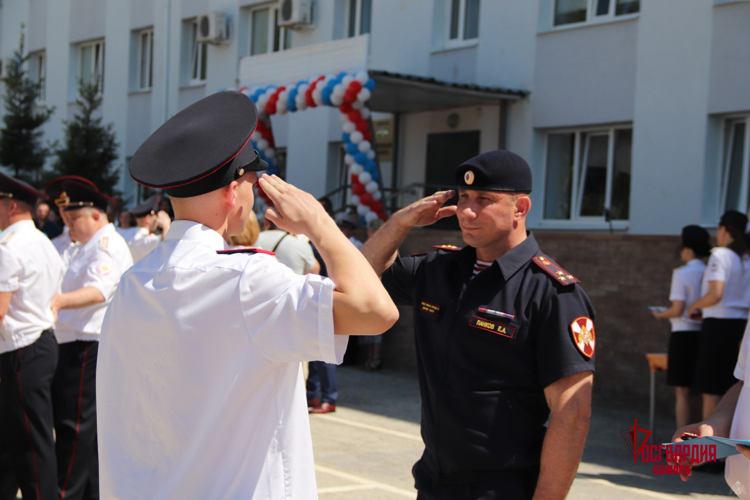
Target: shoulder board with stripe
{"x": 233, "y": 251}
{"x": 7, "y": 237}
{"x": 104, "y": 242}
{"x": 450, "y": 248}
{"x": 553, "y": 269}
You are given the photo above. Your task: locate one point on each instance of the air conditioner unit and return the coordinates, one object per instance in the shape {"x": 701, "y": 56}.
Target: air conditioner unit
{"x": 295, "y": 13}
{"x": 212, "y": 27}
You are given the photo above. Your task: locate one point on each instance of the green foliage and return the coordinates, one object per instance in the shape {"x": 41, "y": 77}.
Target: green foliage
{"x": 90, "y": 147}
{"x": 21, "y": 146}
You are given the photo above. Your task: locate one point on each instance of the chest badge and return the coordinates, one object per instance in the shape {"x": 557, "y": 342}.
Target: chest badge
{"x": 584, "y": 336}
{"x": 489, "y": 325}
{"x": 429, "y": 308}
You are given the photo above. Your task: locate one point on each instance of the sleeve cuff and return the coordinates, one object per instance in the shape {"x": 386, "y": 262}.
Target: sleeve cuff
{"x": 9, "y": 286}
{"x": 332, "y": 346}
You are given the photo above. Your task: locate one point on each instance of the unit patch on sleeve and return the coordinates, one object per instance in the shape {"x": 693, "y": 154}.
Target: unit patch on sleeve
{"x": 584, "y": 337}
{"x": 492, "y": 326}
{"x": 553, "y": 269}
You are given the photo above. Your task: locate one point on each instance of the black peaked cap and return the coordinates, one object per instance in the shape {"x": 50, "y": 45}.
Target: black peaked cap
{"x": 200, "y": 149}
{"x": 54, "y": 188}
{"x": 82, "y": 196}
{"x": 18, "y": 190}
{"x": 148, "y": 206}
{"x": 497, "y": 170}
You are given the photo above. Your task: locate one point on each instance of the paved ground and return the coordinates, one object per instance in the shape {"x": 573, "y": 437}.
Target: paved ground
{"x": 366, "y": 449}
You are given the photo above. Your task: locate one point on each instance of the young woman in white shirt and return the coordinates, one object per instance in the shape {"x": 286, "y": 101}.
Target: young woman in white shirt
{"x": 683, "y": 342}
{"x": 724, "y": 304}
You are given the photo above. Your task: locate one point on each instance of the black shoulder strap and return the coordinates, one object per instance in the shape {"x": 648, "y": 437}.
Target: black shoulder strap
{"x": 279, "y": 242}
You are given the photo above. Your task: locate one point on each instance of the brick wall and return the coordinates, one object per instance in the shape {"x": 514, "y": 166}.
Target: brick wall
{"x": 622, "y": 275}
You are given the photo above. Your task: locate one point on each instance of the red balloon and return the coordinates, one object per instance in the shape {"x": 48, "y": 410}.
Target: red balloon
{"x": 267, "y": 134}
{"x": 355, "y": 116}
{"x": 270, "y": 108}
{"x": 363, "y": 126}
{"x": 358, "y": 188}
{"x": 355, "y": 87}
{"x": 367, "y": 135}
{"x": 354, "y": 178}
{"x": 376, "y": 206}
{"x": 309, "y": 99}
{"x": 280, "y": 89}
{"x": 261, "y": 126}
{"x": 345, "y": 108}
{"x": 365, "y": 199}
{"x": 382, "y": 216}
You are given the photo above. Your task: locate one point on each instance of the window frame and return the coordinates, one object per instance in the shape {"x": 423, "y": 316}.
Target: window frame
{"x": 198, "y": 57}
{"x": 580, "y": 158}
{"x": 97, "y": 63}
{"x": 591, "y": 17}
{"x": 459, "y": 41}
{"x": 39, "y": 60}
{"x": 725, "y": 157}
{"x": 149, "y": 32}
{"x": 357, "y": 19}
{"x": 273, "y": 28}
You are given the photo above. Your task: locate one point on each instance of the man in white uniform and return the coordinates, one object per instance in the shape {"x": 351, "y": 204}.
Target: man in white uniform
{"x": 54, "y": 190}
{"x": 88, "y": 285}
{"x": 30, "y": 275}
{"x": 200, "y": 394}
{"x": 148, "y": 219}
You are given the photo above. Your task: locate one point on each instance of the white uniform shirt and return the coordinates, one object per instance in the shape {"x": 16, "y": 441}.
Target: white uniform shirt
{"x": 98, "y": 263}
{"x": 141, "y": 242}
{"x": 31, "y": 268}
{"x": 737, "y": 471}
{"x": 200, "y": 394}
{"x": 686, "y": 286}
{"x": 725, "y": 265}
{"x": 292, "y": 252}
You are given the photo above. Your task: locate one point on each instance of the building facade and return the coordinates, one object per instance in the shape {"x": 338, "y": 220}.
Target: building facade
{"x": 634, "y": 115}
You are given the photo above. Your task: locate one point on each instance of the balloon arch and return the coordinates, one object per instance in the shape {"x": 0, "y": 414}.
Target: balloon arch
{"x": 349, "y": 93}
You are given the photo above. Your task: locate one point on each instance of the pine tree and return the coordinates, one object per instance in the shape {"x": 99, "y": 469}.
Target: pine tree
{"x": 21, "y": 146}
{"x": 90, "y": 147}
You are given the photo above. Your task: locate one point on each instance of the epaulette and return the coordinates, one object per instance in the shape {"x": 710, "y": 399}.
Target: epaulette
{"x": 452, "y": 248}
{"x": 104, "y": 242}
{"x": 233, "y": 251}
{"x": 553, "y": 269}
{"x": 7, "y": 237}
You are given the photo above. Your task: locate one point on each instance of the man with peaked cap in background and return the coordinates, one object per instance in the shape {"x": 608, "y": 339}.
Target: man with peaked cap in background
{"x": 505, "y": 341}
{"x": 206, "y": 380}
{"x": 149, "y": 219}
{"x": 54, "y": 191}
{"x": 88, "y": 285}
{"x": 30, "y": 275}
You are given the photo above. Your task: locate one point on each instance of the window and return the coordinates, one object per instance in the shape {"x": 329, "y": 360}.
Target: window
{"x": 463, "y": 20}
{"x": 588, "y": 174}
{"x": 38, "y": 72}
{"x": 265, "y": 33}
{"x": 358, "y": 17}
{"x": 91, "y": 63}
{"x": 146, "y": 59}
{"x": 581, "y": 11}
{"x": 736, "y": 164}
{"x": 198, "y": 56}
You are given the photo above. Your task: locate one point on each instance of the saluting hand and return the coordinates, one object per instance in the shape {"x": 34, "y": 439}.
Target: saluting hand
{"x": 294, "y": 210}
{"x": 426, "y": 211}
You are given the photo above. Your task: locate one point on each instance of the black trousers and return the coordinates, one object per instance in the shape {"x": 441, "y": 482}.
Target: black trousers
{"x": 26, "y": 415}
{"x": 518, "y": 485}
{"x": 74, "y": 399}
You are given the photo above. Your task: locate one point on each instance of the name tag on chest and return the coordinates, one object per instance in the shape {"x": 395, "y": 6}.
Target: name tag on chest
{"x": 492, "y": 326}
{"x": 429, "y": 308}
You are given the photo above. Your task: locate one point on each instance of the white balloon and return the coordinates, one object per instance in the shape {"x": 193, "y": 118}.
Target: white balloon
{"x": 262, "y": 144}
{"x": 337, "y": 100}
{"x": 300, "y": 101}
{"x": 357, "y": 105}
{"x": 363, "y": 209}
{"x": 302, "y": 89}
{"x": 356, "y": 137}
{"x": 370, "y": 216}
{"x": 349, "y": 127}
{"x": 361, "y": 77}
{"x": 270, "y": 153}
{"x": 348, "y": 159}
{"x": 363, "y": 95}
{"x": 365, "y": 177}
{"x": 338, "y": 90}
{"x": 371, "y": 155}
{"x": 377, "y": 195}
{"x": 317, "y": 96}
{"x": 356, "y": 169}
{"x": 354, "y": 199}
{"x": 346, "y": 81}
{"x": 257, "y": 136}
{"x": 344, "y": 118}
{"x": 246, "y": 92}
{"x": 281, "y": 107}
{"x": 283, "y": 95}
{"x": 371, "y": 187}
{"x": 365, "y": 112}
{"x": 365, "y": 146}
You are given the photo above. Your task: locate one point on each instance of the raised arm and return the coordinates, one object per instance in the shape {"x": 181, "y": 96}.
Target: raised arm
{"x": 361, "y": 306}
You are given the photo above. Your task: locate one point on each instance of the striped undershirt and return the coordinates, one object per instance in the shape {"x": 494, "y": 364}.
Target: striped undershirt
{"x": 480, "y": 266}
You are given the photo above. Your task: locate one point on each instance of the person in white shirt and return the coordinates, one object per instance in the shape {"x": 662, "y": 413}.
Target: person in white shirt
{"x": 30, "y": 275}
{"x": 290, "y": 251}
{"x": 148, "y": 219}
{"x": 683, "y": 342}
{"x": 348, "y": 223}
{"x": 724, "y": 303}
{"x": 200, "y": 394}
{"x": 54, "y": 190}
{"x": 88, "y": 285}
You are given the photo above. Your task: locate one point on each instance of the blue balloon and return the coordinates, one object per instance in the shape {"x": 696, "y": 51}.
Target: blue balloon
{"x": 360, "y": 157}
{"x": 352, "y": 150}
{"x": 371, "y": 166}
{"x": 325, "y": 96}
{"x": 341, "y": 76}
{"x": 375, "y": 175}
{"x": 346, "y": 137}
{"x": 370, "y": 85}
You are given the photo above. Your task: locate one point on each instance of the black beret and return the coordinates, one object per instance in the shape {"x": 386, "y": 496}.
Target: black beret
{"x": 200, "y": 149}
{"x": 697, "y": 239}
{"x": 82, "y": 195}
{"x": 732, "y": 219}
{"x": 54, "y": 188}
{"x": 497, "y": 170}
{"x": 148, "y": 206}
{"x": 18, "y": 190}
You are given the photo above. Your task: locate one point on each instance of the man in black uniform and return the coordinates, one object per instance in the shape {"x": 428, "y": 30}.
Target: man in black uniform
{"x": 505, "y": 342}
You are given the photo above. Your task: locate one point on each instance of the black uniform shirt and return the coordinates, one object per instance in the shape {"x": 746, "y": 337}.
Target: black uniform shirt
{"x": 482, "y": 376}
